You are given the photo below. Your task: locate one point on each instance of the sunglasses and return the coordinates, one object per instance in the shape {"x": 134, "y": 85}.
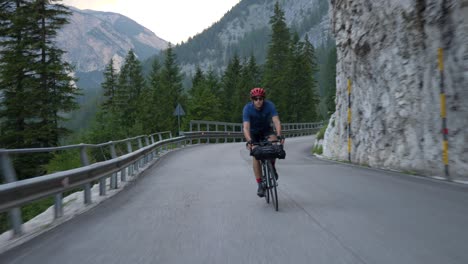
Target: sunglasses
{"x": 257, "y": 98}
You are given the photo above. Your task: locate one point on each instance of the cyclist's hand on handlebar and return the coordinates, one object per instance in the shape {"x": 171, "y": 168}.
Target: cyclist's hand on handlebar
{"x": 249, "y": 145}
{"x": 281, "y": 139}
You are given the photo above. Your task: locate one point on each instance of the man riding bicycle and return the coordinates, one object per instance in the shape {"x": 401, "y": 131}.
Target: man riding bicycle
{"x": 257, "y": 117}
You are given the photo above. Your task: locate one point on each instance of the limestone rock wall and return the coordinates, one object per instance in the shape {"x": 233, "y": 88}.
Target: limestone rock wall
{"x": 389, "y": 51}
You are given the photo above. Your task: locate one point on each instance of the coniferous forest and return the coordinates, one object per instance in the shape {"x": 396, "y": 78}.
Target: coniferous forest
{"x": 38, "y": 92}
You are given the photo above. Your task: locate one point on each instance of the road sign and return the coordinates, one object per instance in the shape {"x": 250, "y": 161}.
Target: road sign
{"x": 179, "y": 111}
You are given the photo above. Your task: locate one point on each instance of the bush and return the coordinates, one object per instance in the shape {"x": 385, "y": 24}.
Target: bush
{"x": 318, "y": 150}
{"x": 321, "y": 133}
{"x": 64, "y": 160}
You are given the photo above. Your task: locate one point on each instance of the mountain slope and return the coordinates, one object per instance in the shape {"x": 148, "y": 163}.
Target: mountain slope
{"x": 245, "y": 30}
{"x": 92, "y": 38}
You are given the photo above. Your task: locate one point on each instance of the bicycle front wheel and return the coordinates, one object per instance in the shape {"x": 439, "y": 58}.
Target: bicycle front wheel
{"x": 265, "y": 183}
{"x": 272, "y": 188}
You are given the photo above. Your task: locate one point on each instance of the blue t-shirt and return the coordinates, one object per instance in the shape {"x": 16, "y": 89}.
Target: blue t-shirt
{"x": 260, "y": 120}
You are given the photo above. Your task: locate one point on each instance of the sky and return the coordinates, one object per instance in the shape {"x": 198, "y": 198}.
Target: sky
{"x": 172, "y": 20}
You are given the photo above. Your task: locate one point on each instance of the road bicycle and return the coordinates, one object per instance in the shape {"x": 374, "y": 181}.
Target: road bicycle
{"x": 266, "y": 151}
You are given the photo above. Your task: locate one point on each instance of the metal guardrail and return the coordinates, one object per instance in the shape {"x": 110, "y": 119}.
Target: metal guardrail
{"x": 231, "y": 129}
{"x": 14, "y": 193}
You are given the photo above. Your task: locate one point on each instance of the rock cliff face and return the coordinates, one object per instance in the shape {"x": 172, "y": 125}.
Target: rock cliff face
{"x": 388, "y": 49}
{"x": 92, "y": 38}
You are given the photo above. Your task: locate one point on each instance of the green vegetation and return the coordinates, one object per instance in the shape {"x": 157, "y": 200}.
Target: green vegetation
{"x": 410, "y": 172}
{"x": 321, "y": 133}
{"x": 318, "y": 149}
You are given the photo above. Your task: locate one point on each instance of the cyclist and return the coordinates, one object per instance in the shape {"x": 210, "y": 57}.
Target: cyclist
{"x": 257, "y": 117}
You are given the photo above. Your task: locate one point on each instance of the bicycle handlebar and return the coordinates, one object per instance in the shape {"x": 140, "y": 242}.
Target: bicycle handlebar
{"x": 265, "y": 142}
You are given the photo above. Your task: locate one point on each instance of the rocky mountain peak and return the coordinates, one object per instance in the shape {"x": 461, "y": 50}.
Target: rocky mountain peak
{"x": 92, "y": 38}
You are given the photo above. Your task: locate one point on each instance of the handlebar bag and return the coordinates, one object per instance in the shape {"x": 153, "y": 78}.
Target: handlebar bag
{"x": 269, "y": 152}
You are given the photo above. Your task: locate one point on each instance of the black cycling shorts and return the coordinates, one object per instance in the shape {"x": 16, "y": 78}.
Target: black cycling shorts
{"x": 261, "y": 136}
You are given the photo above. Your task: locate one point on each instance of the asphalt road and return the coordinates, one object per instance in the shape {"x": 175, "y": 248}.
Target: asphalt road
{"x": 199, "y": 205}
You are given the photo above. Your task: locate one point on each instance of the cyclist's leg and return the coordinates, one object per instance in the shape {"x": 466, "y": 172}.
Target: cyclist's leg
{"x": 256, "y": 163}
{"x": 257, "y": 168}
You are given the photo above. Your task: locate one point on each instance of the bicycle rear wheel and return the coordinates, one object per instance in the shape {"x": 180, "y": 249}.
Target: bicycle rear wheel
{"x": 272, "y": 188}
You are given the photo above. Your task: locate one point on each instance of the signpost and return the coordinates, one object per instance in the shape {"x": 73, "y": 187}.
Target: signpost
{"x": 179, "y": 111}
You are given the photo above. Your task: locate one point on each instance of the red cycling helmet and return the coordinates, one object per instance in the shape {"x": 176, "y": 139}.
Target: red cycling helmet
{"x": 257, "y": 92}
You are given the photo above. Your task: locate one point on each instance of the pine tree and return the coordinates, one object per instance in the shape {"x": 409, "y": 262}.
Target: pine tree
{"x": 232, "y": 92}
{"x": 197, "y": 80}
{"x": 16, "y": 78}
{"x": 56, "y": 91}
{"x": 295, "y": 81}
{"x": 171, "y": 92}
{"x": 253, "y": 73}
{"x": 36, "y": 85}
{"x": 109, "y": 86}
{"x": 213, "y": 83}
{"x": 203, "y": 103}
{"x": 250, "y": 78}
{"x": 310, "y": 71}
{"x": 302, "y": 101}
{"x": 106, "y": 125}
{"x": 130, "y": 85}
{"x": 275, "y": 77}
{"x": 149, "y": 111}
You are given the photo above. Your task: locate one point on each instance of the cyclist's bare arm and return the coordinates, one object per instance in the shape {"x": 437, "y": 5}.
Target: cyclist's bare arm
{"x": 246, "y": 131}
{"x": 277, "y": 123}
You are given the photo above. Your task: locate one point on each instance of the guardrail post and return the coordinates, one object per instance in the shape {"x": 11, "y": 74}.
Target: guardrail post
{"x": 198, "y": 129}
{"x": 129, "y": 147}
{"x": 102, "y": 186}
{"x": 114, "y": 184}
{"x": 140, "y": 145}
{"x": 58, "y": 208}
{"x": 150, "y": 155}
{"x": 167, "y": 145}
{"x": 9, "y": 175}
{"x": 225, "y": 130}
{"x": 136, "y": 167}
{"x": 129, "y": 150}
{"x": 123, "y": 176}
{"x": 87, "y": 186}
